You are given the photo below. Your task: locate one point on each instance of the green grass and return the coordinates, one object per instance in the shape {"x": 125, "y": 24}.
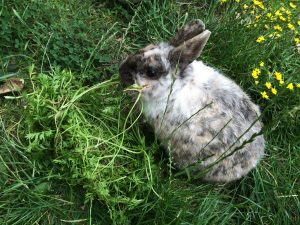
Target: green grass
{"x": 73, "y": 146}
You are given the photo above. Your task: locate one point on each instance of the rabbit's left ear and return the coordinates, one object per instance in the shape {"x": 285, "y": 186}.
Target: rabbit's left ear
{"x": 189, "y": 50}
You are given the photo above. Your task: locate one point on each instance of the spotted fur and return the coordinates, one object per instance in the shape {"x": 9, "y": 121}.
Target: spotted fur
{"x": 204, "y": 117}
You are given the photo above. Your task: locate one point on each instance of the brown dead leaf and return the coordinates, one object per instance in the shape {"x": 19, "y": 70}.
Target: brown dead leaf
{"x": 12, "y": 85}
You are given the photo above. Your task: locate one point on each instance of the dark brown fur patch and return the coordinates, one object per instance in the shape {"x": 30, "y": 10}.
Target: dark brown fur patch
{"x": 187, "y": 32}
{"x": 152, "y": 67}
{"x": 188, "y": 51}
{"x": 128, "y": 68}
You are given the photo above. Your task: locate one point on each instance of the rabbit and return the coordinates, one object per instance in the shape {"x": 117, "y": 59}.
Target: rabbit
{"x": 204, "y": 119}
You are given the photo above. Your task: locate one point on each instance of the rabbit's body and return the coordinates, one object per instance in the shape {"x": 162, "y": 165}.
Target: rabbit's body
{"x": 200, "y": 116}
{"x": 225, "y": 112}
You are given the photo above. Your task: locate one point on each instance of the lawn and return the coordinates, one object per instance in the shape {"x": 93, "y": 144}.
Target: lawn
{"x": 74, "y": 148}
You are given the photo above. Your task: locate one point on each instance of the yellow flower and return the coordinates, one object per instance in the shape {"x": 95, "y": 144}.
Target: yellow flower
{"x": 278, "y": 13}
{"x": 257, "y": 82}
{"x": 255, "y": 73}
{"x": 274, "y": 91}
{"x": 290, "y": 86}
{"x": 278, "y": 76}
{"x": 245, "y": 6}
{"x": 293, "y": 5}
{"x": 277, "y": 27}
{"x": 257, "y": 17}
{"x": 252, "y": 12}
{"x": 282, "y": 9}
{"x": 267, "y": 27}
{"x": 298, "y": 85}
{"x": 297, "y": 40}
{"x": 288, "y": 12}
{"x": 282, "y": 18}
{"x": 260, "y": 39}
{"x": 258, "y": 3}
{"x": 291, "y": 26}
{"x": 268, "y": 85}
{"x": 298, "y": 22}
{"x": 281, "y": 82}
{"x": 264, "y": 95}
{"x": 269, "y": 15}
{"x": 261, "y": 63}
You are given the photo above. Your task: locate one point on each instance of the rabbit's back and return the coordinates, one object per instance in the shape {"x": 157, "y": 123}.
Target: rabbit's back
{"x": 206, "y": 117}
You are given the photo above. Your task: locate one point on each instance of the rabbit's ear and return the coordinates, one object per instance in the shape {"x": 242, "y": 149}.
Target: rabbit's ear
{"x": 189, "y": 50}
{"x": 187, "y": 32}
{"x": 128, "y": 68}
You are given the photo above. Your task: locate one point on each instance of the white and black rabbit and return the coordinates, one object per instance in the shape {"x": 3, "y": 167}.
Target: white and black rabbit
{"x": 202, "y": 117}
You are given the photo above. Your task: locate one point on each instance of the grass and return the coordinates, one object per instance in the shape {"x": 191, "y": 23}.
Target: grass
{"x": 73, "y": 146}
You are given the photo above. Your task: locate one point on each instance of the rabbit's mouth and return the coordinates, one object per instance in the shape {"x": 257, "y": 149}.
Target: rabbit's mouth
{"x": 146, "y": 85}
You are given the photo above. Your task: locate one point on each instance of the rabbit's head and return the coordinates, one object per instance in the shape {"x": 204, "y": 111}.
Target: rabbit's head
{"x": 156, "y": 64}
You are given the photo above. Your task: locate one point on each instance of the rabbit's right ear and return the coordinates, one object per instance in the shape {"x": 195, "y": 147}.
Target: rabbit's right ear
{"x": 190, "y": 30}
{"x": 189, "y": 50}
{"x": 128, "y": 69}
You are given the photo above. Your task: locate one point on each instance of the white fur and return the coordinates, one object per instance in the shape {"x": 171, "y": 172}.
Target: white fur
{"x": 187, "y": 97}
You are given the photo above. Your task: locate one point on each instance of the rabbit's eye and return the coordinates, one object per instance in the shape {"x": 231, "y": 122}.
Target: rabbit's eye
{"x": 151, "y": 72}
